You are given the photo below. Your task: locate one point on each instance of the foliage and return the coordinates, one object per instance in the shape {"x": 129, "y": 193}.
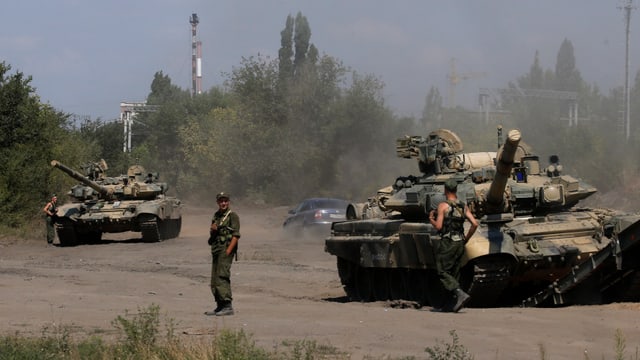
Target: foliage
{"x": 449, "y": 351}
{"x": 31, "y": 134}
{"x": 237, "y": 345}
{"x": 138, "y": 339}
{"x": 139, "y": 330}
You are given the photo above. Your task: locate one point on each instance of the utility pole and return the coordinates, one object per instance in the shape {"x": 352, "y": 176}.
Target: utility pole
{"x": 196, "y": 57}
{"x": 128, "y": 111}
{"x": 627, "y": 7}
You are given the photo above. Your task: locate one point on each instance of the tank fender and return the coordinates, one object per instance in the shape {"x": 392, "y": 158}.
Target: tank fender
{"x": 489, "y": 241}
{"x": 376, "y": 253}
{"x": 412, "y": 247}
{"x": 71, "y": 211}
{"x": 355, "y": 211}
{"x": 346, "y": 247}
{"x": 628, "y": 230}
{"x": 165, "y": 209}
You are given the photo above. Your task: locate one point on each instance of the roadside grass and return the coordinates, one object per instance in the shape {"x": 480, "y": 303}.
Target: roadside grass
{"x": 143, "y": 335}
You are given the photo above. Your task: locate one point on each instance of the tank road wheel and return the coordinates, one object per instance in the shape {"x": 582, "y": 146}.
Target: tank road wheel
{"x": 380, "y": 284}
{"x": 415, "y": 284}
{"x": 364, "y": 283}
{"x": 346, "y": 272}
{"x": 92, "y": 237}
{"x": 66, "y": 233}
{"x": 434, "y": 293}
{"x": 485, "y": 280}
{"x": 396, "y": 285}
{"x": 150, "y": 228}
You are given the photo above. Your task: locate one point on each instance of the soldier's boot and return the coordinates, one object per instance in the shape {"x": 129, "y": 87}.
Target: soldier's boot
{"x": 227, "y": 309}
{"x": 214, "y": 311}
{"x": 461, "y": 298}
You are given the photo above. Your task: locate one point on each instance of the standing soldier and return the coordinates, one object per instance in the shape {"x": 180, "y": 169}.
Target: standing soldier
{"x": 449, "y": 222}
{"x": 51, "y": 209}
{"x": 224, "y": 235}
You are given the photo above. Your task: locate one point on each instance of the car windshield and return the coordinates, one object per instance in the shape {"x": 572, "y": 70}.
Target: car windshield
{"x": 331, "y": 204}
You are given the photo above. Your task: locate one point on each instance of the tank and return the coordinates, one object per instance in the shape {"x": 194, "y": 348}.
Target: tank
{"x": 535, "y": 246}
{"x": 100, "y": 204}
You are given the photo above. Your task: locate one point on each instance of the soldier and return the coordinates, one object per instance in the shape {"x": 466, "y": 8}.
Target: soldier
{"x": 223, "y": 239}
{"x": 51, "y": 209}
{"x": 449, "y": 221}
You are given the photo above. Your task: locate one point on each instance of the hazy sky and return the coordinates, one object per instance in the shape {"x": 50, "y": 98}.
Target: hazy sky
{"x": 87, "y": 56}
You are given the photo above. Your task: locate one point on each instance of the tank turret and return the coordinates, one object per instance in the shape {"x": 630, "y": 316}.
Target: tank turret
{"x": 534, "y": 245}
{"x": 136, "y": 184}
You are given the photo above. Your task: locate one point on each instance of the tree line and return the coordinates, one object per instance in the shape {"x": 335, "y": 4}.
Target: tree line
{"x": 279, "y": 130}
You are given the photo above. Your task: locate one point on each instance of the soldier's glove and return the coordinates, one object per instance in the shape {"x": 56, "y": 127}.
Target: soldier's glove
{"x": 210, "y": 241}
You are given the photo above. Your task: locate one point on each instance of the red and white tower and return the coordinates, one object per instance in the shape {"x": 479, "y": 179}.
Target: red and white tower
{"x": 196, "y": 57}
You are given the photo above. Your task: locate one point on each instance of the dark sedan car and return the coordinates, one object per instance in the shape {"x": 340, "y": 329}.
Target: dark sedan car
{"x": 314, "y": 216}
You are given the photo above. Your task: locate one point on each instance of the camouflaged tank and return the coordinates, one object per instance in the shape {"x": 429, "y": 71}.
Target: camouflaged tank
{"x": 100, "y": 204}
{"x": 535, "y": 245}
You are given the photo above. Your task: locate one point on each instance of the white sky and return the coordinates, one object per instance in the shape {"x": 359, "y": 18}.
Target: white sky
{"x": 86, "y": 56}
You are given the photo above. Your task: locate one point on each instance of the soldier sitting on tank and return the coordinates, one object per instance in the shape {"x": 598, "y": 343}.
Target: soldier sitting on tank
{"x": 449, "y": 220}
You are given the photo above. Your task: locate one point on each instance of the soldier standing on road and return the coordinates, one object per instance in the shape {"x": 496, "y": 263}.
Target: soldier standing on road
{"x": 51, "y": 209}
{"x": 223, "y": 239}
{"x": 451, "y": 215}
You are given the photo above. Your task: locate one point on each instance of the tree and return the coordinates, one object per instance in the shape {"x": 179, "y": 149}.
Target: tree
{"x": 535, "y": 78}
{"x": 567, "y": 76}
{"x": 285, "y": 54}
{"x": 432, "y": 112}
{"x": 159, "y": 146}
{"x": 31, "y": 134}
{"x": 301, "y": 39}
{"x": 254, "y": 86}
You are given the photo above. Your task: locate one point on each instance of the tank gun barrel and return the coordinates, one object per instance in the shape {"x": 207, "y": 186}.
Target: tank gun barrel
{"x": 504, "y": 164}
{"x": 76, "y": 175}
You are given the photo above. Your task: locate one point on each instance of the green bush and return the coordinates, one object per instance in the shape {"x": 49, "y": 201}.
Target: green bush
{"x": 449, "y": 351}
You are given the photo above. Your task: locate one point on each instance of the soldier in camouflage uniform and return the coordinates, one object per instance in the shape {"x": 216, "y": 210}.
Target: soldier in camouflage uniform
{"x": 51, "y": 211}
{"x": 223, "y": 239}
{"x": 451, "y": 215}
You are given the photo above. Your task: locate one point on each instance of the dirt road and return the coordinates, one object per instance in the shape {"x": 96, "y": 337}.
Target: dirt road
{"x": 284, "y": 289}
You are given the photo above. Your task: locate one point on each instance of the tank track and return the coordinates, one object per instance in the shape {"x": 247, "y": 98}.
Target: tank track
{"x": 154, "y": 230}
{"x": 66, "y": 233}
{"x": 485, "y": 280}
{"x": 150, "y": 229}
{"x": 632, "y": 291}
{"x": 170, "y": 228}
{"x": 381, "y": 284}
{"x": 624, "y": 289}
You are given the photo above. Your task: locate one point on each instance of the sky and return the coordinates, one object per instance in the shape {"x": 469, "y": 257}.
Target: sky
{"x": 87, "y": 56}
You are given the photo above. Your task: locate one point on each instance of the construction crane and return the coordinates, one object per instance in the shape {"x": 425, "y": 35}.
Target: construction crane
{"x": 454, "y": 78}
